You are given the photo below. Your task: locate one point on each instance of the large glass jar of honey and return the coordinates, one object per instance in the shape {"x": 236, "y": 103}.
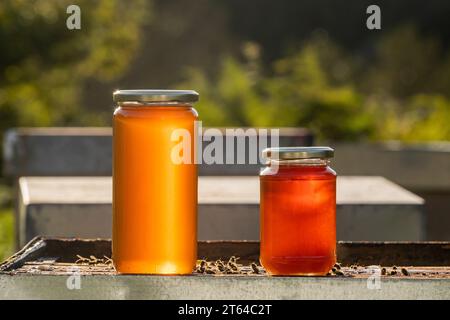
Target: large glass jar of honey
{"x": 298, "y": 211}
{"x": 154, "y": 196}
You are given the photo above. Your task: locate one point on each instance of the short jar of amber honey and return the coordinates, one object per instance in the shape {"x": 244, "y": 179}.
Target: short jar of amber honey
{"x": 154, "y": 194}
{"x": 298, "y": 211}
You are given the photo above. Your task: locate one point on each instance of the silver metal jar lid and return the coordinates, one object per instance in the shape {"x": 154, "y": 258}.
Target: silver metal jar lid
{"x": 155, "y": 96}
{"x": 293, "y": 153}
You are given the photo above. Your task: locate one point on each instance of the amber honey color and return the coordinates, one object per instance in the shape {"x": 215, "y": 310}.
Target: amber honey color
{"x": 298, "y": 220}
{"x": 154, "y": 199}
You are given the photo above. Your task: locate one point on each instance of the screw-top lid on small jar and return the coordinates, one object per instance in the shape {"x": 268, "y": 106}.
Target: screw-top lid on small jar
{"x": 152, "y": 95}
{"x": 297, "y": 153}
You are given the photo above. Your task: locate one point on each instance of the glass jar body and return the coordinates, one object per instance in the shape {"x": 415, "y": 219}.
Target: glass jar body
{"x": 154, "y": 198}
{"x": 298, "y": 218}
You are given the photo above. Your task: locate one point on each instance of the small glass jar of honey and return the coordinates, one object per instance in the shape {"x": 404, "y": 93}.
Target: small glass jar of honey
{"x": 298, "y": 211}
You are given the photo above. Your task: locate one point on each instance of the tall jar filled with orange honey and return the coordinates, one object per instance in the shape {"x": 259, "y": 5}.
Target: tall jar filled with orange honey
{"x": 154, "y": 196}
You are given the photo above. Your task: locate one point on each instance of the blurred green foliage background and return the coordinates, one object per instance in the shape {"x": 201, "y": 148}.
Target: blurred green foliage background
{"x": 6, "y": 222}
{"x": 393, "y": 85}
{"x": 43, "y": 65}
{"x": 402, "y": 93}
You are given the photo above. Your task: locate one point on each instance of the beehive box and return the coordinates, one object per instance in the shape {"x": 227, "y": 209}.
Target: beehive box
{"x": 51, "y": 268}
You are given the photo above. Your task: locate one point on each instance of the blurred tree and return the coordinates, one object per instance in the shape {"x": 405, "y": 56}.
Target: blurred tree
{"x": 420, "y": 118}
{"x": 298, "y": 91}
{"x": 229, "y": 99}
{"x": 318, "y": 94}
{"x": 407, "y": 87}
{"x": 397, "y": 95}
{"x": 405, "y": 63}
{"x": 183, "y": 34}
{"x": 276, "y": 25}
{"x": 393, "y": 84}
{"x": 43, "y": 64}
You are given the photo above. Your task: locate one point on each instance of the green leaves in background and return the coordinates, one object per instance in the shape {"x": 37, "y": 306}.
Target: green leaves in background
{"x": 396, "y": 88}
{"x": 398, "y": 94}
{"x": 43, "y": 65}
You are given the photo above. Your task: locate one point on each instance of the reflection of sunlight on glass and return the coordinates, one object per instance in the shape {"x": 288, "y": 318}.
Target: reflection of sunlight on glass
{"x": 167, "y": 268}
{"x": 374, "y": 280}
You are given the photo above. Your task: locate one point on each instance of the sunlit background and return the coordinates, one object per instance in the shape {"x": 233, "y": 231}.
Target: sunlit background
{"x": 309, "y": 63}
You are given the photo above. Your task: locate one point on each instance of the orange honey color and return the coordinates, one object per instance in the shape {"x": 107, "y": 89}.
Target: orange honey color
{"x": 154, "y": 199}
{"x": 298, "y": 220}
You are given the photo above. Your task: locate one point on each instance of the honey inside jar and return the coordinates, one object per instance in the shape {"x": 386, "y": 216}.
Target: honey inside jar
{"x": 154, "y": 199}
{"x": 298, "y": 212}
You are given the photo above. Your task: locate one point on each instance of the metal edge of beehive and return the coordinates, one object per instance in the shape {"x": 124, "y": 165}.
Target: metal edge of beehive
{"x": 40, "y": 246}
{"x": 226, "y": 287}
{"x": 435, "y": 253}
{"x": 362, "y": 253}
{"x": 45, "y": 247}
{"x": 31, "y": 249}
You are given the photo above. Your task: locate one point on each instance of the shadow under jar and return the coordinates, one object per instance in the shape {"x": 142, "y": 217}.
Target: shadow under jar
{"x": 298, "y": 211}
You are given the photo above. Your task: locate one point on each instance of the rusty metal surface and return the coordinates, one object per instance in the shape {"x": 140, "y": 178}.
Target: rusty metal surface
{"x": 51, "y": 256}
